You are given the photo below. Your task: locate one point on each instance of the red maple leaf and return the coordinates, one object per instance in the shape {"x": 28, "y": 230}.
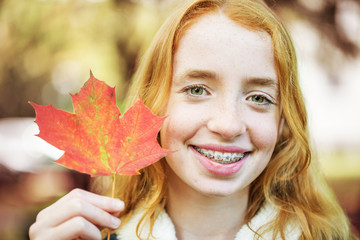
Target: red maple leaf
{"x": 95, "y": 139}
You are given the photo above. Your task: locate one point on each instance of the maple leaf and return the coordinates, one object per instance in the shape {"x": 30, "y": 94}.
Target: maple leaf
{"x": 95, "y": 139}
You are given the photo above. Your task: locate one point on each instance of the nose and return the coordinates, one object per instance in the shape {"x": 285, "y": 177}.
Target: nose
{"x": 227, "y": 120}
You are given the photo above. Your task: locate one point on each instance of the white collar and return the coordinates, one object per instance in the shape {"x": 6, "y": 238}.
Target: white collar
{"x": 164, "y": 229}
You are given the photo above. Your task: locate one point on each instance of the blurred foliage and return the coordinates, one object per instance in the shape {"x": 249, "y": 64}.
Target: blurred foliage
{"x": 337, "y": 22}
{"x": 327, "y": 17}
{"x": 47, "y": 47}
{"x": 340, "y": 163}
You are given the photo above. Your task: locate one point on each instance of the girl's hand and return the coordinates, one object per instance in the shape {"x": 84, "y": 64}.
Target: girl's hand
{"x": 77, "y": 215}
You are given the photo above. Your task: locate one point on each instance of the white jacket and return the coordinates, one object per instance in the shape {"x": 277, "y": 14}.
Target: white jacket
{"x": 164, "y": 229}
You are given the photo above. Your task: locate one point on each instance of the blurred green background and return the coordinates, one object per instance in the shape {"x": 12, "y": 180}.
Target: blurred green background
{"x": 47, "y": 48}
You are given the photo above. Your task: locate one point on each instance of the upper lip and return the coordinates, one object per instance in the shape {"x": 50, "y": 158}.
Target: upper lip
{"x": 219, "y": 148}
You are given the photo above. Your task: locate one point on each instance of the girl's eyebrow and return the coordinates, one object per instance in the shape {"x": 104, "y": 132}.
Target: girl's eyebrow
{"x": 210, "y": 75}
{"x": 264, "y": 82}
{"x": 198, "y": 74}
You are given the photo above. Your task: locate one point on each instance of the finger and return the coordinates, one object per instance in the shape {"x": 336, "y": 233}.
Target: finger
{"x": 115, "y": 214}
{"x": 35, "y": 231}
{"x": 77, "y": 227}
{"x": 80, "y": 203}
{"x": 106, "y": 203}
{"x": 78, "y": 207}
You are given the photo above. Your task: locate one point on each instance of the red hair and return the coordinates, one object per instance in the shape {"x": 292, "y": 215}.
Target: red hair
{"x": 289, "y": 182}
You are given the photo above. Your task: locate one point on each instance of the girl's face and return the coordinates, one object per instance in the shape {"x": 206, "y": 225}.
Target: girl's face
{"x": 223, "y": 114}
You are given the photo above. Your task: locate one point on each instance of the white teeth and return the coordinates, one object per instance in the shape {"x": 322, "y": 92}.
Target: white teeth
{"x": 210, "y": 154}
{"x": 227, "y": 157}
{"x": 220, "y": 157}
{"x": 202, "y": 151}
{"x": 238, "y": 156}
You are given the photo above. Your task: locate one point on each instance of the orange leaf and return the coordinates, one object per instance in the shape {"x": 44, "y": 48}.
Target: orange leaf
{"x": 95, "y": 139}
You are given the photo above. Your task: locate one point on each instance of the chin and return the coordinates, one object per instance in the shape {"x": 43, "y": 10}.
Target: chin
{"x": 222, "y": 189}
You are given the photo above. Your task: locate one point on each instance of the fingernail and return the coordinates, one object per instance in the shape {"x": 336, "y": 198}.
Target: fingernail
{"x": 115, "y": 222}
{"x": 118, "y": 205}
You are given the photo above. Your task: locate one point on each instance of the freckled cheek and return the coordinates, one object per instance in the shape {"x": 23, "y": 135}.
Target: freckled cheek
{"x": 179, "y": 126}
{"x": 167, "y": 133}
{"x": 264, "y": 135}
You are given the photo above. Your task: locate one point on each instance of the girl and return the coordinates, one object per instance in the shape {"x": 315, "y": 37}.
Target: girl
{"x": 225, "y": 75}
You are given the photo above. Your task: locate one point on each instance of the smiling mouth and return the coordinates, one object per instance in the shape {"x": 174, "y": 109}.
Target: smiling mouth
{"x": 221, "y": 157}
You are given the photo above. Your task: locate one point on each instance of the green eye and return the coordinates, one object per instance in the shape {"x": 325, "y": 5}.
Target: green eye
{"x": 197, "y": 91}
{"x": 258, "y": 99}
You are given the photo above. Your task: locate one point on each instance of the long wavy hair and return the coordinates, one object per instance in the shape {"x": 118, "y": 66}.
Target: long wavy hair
{"x": 290, "y": 182}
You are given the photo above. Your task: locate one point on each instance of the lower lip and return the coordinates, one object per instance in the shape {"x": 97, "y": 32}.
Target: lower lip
{"x": 218, "y": 168}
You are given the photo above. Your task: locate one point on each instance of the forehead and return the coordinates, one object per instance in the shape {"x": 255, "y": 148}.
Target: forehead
{"x": 217, "y": 25}
{"x": 222, "y": 23}
{"x": 216, "y": 42}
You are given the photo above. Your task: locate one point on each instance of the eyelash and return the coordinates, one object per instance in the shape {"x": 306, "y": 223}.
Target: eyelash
{"x": 188, "y": 88}
{"x": 266, "y": 100}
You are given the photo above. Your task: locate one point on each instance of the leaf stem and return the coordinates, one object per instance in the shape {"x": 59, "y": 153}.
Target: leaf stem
{"x": 112, "y": 195}
{"x": 113, "y": 185}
